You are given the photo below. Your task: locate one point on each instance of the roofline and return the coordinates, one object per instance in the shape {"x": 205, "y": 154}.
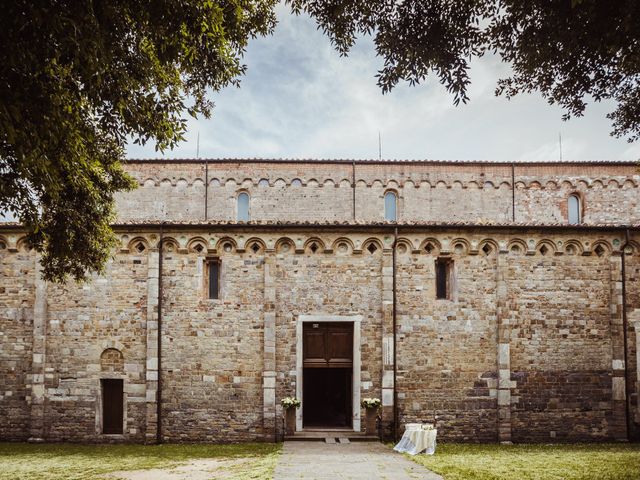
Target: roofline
{"x": 373, "y": 226}
{"x": 346, "y": 161}
{"x": 156, "y": 225}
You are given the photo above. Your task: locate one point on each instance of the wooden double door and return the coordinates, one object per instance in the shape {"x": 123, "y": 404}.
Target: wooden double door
{"x": 327, "y": 374}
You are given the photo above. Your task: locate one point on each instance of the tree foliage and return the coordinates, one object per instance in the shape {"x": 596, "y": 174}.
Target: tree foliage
{"x": 77, "y": 80}
{"x": 570, "y": 51}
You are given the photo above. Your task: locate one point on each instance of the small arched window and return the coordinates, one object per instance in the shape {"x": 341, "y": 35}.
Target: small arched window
{"x": 390, "y": 207}
{"x": 574, "y": 210}
{"x": 243, "y": 207}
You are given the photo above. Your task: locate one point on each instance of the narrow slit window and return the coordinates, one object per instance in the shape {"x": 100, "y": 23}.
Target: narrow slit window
{"x": 112, "y": 406}
{"x": 443, "y": 283}
{"x": 213, "y": 279}
{"x": 390, "y": 206}
{"x": 243, "y": 207}
{"x": 574, "y": 208}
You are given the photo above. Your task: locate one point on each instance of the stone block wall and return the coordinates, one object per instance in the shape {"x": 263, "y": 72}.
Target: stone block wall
{"x": 317, "y": 191}
{"x": 17, "y": 294}
{"x": 212, "y": 360}
{"x": 51, "y": 368}
{"x": 561, "y": 347}
{"x": 528, "y": 346}
{"x": 332, "y": 281}
{"x": 96, "y": 330}
{"x": 633, "y": 335}
{"x": 447, "y": 347}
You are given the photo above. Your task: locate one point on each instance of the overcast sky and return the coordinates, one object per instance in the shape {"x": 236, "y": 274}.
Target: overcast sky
{"x": 300, "y": 99}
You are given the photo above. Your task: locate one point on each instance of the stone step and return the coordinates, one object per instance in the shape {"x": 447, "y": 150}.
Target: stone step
{"x": 337, "y": 435}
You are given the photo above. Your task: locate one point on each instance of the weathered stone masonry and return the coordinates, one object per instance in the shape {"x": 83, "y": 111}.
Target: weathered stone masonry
{"x": 529, "y": 346}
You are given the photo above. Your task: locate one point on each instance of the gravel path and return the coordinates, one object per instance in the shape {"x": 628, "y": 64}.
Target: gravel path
{"x": 357, "y": 460}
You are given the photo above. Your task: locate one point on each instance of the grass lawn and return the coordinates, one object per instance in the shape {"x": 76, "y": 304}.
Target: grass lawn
{"x": 536, "y": 462}
{"x": 86, "y": 462}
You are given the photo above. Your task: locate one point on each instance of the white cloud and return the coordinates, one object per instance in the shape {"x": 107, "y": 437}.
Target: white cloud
{"x": 301, "y": 99}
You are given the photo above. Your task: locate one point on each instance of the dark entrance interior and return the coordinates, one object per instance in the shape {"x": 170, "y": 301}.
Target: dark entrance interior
{"x": 327, "y": 397}
{"x": 328, "y": 367}
{"x": 112, "y": 405}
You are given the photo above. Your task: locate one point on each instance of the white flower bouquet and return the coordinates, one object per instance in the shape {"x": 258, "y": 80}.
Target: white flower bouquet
{"x": 370, "y": 403}
{"x": 290, "y": 402}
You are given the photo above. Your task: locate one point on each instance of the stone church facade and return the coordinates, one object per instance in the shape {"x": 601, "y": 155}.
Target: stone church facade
{"x": 498, "y": 300}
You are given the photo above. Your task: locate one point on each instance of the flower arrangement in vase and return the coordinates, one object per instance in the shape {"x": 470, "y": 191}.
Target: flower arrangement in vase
{"x": 290, "y": 404}
{"x": 371, "y": 406}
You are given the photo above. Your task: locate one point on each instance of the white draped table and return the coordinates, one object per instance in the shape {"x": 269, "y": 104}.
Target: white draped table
{"x": 417, "y": 438}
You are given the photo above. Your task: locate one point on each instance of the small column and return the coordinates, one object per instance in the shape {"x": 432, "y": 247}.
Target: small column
{"x": 634, "y": 321}
{"x": 37, "y": 433}
{"x": 152, "y": 347}
{"x": 618, "y": 423}
{"x": 503, "y": 340}
{"x": 269, "y": 354}
{"x": 387, "y": 339}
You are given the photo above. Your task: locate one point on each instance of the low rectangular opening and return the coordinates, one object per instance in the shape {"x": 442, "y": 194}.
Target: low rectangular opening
{"x": 112, "y": 405}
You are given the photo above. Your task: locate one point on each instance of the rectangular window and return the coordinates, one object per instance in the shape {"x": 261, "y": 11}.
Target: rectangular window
{"x": 112, "y": 405}
{"x": 213, "y": 278}
{"x": 443, "y": 276}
